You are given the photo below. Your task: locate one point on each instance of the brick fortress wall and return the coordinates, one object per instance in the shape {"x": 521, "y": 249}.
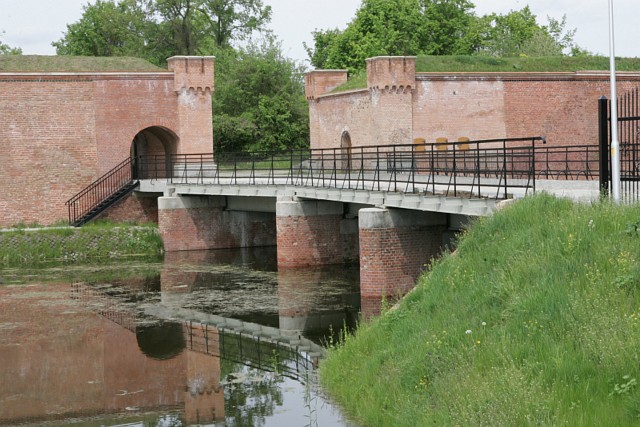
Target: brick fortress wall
{"x": 400, "y": 105}
{"x": 61, "y": 131}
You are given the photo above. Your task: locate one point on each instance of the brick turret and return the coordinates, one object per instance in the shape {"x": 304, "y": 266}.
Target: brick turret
{"x": 319, "y": 82}
{"x": 192, "y": 72}
{"x": 193, "y": 83}
{"x": 397, "y": 73}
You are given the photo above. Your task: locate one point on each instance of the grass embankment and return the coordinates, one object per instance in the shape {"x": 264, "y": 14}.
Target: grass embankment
{"x": 489, "y": 64}
{"x": 534, "y": 321}
{"x": 95, "y": 243}
{"x": 64, "y": 63}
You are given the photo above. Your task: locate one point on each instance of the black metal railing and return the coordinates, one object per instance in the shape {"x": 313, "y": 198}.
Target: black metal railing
{"x": 571, "y": 162}
{"x": 487, "y": 168}
{"x": 102, "y": 193}
{"x": 628, "y": 121}
{"x": 269, "y": 355}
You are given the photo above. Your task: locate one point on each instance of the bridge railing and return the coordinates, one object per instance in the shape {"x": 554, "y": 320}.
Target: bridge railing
{"x": 571, "y": 162}
{"x": 485, "y": 168}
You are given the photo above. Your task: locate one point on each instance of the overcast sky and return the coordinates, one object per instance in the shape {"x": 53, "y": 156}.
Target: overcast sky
{"x": 34, "y": 24}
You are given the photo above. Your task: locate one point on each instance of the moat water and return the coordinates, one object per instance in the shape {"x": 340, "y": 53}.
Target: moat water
{"x": 219, "y": 338}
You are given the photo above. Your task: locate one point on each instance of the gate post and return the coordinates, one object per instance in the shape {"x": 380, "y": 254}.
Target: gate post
{"x": 603, "y": 136}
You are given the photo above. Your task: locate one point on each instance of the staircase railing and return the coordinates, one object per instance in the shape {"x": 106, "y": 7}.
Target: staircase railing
{"x": 101, "y": 193}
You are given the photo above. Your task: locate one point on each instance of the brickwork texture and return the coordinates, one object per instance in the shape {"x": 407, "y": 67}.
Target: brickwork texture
{"x": 61, "y": 131}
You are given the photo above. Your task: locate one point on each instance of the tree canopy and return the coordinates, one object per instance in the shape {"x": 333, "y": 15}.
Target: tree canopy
{"x": 436, "y": 27}
{"x": 259, "y": 104}
{"x": 158, "y": 29}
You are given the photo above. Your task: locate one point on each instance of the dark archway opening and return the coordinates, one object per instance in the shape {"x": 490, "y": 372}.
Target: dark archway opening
{"x": 345, "y": 146}
{"x": 152, "y": 148}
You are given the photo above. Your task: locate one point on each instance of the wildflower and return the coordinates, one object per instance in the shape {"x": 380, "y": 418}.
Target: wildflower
{"x": 591, "y": 224}
{"x": 484, "y": 323}
{"x": 468, "y": 331}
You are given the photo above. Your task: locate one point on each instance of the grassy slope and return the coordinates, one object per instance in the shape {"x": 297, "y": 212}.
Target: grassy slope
{"x": 98, "y": 242}
{"x": 467, "y": 64}
{"x": 549, "y": 292}
{"x": 37, "y": 63}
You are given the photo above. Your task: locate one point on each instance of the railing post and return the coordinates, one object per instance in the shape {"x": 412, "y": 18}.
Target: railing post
{"x": 603, "y": 138}
{"x": 504, "y": 166}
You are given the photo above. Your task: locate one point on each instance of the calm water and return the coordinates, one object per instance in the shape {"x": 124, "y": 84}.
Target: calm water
{"x": 215, "y": 338}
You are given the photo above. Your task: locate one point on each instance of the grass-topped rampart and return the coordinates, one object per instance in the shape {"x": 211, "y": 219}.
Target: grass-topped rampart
{"x": 534, "y": 321}
{"x": 490, "y": 64}
{"x": 66, "y": 63}
{"x": 99, "y": 242}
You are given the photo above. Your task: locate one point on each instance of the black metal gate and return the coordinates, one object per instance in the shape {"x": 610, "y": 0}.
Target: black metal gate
{"x": 629, "y": 139}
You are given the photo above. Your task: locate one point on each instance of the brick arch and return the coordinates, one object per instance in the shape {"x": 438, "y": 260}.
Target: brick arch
{"x": 155, "y": 141}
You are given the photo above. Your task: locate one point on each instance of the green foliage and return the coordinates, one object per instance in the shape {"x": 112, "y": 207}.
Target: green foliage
{"x": 31, "y": 63}
{"x": 436, "y": 27}
{"x": 535, "y": 320}
{"x": 105, "y": 29}
{"x": 96, "y": 243}
{"x": 158, "y": 29}
{"x": 259, "y": 103}
{"x": 5, "y": 49}
{"x": 234, "y": 19}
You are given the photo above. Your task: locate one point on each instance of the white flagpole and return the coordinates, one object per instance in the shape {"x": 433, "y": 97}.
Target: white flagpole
{"x": 615, "y": 144}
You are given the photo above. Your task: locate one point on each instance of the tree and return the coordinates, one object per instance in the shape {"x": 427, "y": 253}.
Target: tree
{"x": 105, "y": 29}
{"x": 235, "y": 19}
{"x": 435, "y": 27}
{"x": 401, "y": 27}
{"x": 158, "y": 29}
{"x": 259, "y": 102}
{"x": 5, "y": 49}
{"x": 518, "y": 33}
{"x": 173, "y": 27}
{"x": 447, "y": 27}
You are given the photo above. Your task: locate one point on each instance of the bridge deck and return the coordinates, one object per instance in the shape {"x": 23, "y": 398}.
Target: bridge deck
{"x": 366, "y": 192}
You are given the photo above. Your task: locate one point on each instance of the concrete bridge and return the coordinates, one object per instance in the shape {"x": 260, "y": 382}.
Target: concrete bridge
{"x": 390, "y": 208}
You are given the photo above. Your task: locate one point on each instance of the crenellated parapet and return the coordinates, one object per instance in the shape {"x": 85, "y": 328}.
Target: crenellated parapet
{"x": 391, "y": 73}
{"x": 320, "y": 82}
{"x": 193, "y": 73}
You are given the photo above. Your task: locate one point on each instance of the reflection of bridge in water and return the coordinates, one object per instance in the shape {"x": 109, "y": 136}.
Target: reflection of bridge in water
{"x": 266, "y": 348}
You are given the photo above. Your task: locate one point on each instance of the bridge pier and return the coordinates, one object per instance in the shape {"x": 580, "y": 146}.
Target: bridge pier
{"x": 314, "y": 232}
{"x": 395, "y": 245}
{"x": 204, "y": 222}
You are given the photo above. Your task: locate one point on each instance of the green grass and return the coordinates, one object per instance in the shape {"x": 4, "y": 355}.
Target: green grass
{"x": 37, "y": 63}
{"x": 534, "y": 321}
{"x": 100, "y": 242}
{"x": 484, "y": 64}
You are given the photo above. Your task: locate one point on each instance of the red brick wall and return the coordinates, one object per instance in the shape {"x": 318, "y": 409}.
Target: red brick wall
{"x": 61, "y": 131}
{"x": 565, "y": 112}
{"x": 133, "y": 208}
{"x": 124, "y": 107}
{"x": 309, "y": 240}
{"x": 559, "y": 106}
{"x": 47, "y": 149}
{"x": 454, "y": 109}
{"x": 391, "y": 259}
{"x": 211, "y": 227}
